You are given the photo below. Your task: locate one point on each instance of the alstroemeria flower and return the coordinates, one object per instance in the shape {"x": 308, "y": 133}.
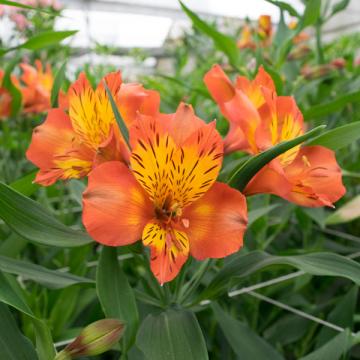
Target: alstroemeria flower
{"x": 265, "y": 29}
{"x": 259, "y": 119}
{"x": 69, "y": 145}
{"x": 35, "y": 86}
{"x": 5, "y": 99}
{"x": 169, "y": 196}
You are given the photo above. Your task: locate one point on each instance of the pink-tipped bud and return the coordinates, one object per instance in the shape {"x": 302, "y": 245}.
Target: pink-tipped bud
{"x": 94, "y": 339}
{"x": 338, "y": 63}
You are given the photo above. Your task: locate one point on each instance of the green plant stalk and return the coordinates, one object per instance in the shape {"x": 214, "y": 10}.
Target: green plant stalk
{"x": 194, "y": 282}
{"x": 319, "y": 49}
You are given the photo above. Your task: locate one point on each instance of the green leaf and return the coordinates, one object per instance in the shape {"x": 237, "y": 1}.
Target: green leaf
{"x": 116, "y": 295}
{"x": 42, "y": 40}
{"x": 256, "y": 214}
{"x": 59, "y": 79}
{"x": 223, "y": 42}
{"x": 244, "y": 341}
{"x": 44, "y": 342}
{"x": 13, "y": 344}
{"x": 26, "y": 184}
{"x": 332, "y": 106}
{"x": 7, "y": 83}
{"x": 346, "y": 213}
{"x": 342, "y": 315}
{"x": 338, "y": 138}
{"x": 10, "y": 294}
{"x": 246, "y": 171}
{"x": 324, "y": 264}
{"x": 50, "y": 278}
{"x": 172, "y": 335}
{"x": 122, "y": 126}
{"x": 311, "y": 14}
{"x": 339, "y": 6}
{"x": 285, "y": 7}
{"x": 31, "y": 221}
{"x": 23, "y": 6}
{"x": 333, "y": 350}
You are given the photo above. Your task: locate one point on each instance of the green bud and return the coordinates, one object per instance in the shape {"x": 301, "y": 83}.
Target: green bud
{"x": 94, "y": 339}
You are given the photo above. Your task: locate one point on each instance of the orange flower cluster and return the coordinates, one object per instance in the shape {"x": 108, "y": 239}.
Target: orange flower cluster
{"x": 163, "y": 190}
{"x": 259, "y": 119}
{"x": 35, "y": 84}
{"x": 264, "y": 31}
{"x": 161, "y": 186}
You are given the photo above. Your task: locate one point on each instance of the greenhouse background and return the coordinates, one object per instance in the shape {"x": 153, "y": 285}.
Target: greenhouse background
{"x": 179, "y": 179}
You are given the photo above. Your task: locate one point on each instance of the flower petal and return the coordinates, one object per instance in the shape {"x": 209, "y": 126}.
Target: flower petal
{"x": 55, "y": 152}
{"x": 271, "y": 179}
{"x": 216, "y": 223}
{"x": 133, "y": 98}
{"x": 167, "y": 170}
{"x": 169, "y": 250}
{"x": 316, "y": 177}
{"x": 90, "y": 111}
{"x": 236, "y": 106}
{"x": 116, "y": 208}
{"x": 253, "y": 89}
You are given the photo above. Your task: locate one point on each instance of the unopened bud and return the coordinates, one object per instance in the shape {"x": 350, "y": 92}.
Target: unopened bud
{"x": 338, "y": 63}
{"x": 94, "y": 339}
{"x": 299, "y": 52}
{"x": 316, "y": 72}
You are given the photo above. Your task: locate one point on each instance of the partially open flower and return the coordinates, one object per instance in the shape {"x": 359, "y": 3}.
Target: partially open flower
{"x": 69, "y": 145}
{"x": 169, "y": 196}
{"x": 259, "y": 119}
{"x": 94, "y": 339}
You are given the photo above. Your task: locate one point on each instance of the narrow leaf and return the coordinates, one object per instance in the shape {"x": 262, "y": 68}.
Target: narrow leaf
{"x": 50, "y": 278}
{"x": 26, "y": 184}
{"x": 244, "y": 341}
{"x": 245, "y": 172}
{"x": 172, "y": 335}
{"x": 285, "y": 7}
{"x": 342, "y": 315}
{"x": 10, "y": 295}
{"x": 13, "y": 344}
{"x": 338, "y": 138}
{"x": 31, "y": 221}
{"x": 311, "y": 13}
{"x": 7, "y": 83}
{"x": 223, "y": 42}
{"x": 122, "y": 126}
{"x": 322, "y": 264}
{"x": 339, "y": 6}
{"x": 333, "y": 350}
{"x": 332, "y": 106}
{"x": 116, "y": 295}
{"x": 59, "y": 79}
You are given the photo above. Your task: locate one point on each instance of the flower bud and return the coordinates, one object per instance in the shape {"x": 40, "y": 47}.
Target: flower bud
{"x": 338, "y": 63}
{"x": 94, "y": 339}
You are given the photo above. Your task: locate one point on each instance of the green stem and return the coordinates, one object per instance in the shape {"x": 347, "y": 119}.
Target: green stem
{"x": 319, "y": 50}
{"x": 194, "y": 282}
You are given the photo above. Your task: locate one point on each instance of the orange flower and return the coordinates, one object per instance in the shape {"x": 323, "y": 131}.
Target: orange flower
{"x": 265, "y": 29}
{"x": 36, "y": 87}
{"x": 69, "y": 145}
{"x": 246, "y": 40}
{"x": 259, "y": 119}
{"x": 5, "y": 99}
{"x": 169, "y": 196}
{"x": 301, "y": 37}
